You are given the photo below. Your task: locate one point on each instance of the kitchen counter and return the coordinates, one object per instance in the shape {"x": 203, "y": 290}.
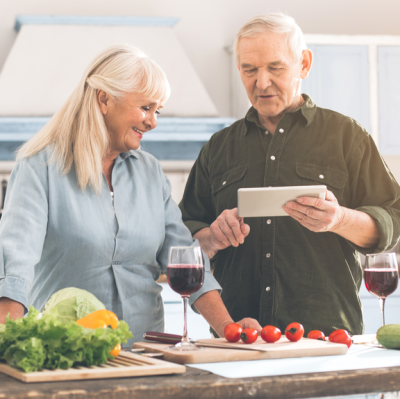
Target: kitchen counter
{"x": 197, "y": 384}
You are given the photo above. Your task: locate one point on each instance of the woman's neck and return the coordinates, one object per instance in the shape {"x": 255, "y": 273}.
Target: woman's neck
{"x": 108, "y": 164}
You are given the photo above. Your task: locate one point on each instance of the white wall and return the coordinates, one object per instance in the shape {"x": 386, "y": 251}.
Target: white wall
{"x": 207, "y": 26}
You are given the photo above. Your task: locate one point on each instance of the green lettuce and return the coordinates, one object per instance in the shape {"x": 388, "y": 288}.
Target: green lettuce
{"x": 71, "y": 304}
{"x": 33, "y": 342}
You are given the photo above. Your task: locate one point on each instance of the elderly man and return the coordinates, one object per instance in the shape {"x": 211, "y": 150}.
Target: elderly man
{"x": 305, "y": 267}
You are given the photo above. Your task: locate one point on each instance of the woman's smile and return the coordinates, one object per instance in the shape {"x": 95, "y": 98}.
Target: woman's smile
{"x": 138, "y": 132}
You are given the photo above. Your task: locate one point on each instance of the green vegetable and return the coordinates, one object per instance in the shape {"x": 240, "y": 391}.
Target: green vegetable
{"x": 389, "y": 336}
{"x": 71, "y": 304}
{"x": 33, "y": 343}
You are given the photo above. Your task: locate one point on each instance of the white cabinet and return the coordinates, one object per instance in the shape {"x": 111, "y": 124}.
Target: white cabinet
{"x": 339, "y": 80}
{"x": 389, "y": 99}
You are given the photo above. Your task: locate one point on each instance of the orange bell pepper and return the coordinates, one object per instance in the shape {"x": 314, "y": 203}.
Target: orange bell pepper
{"x": 116, "y": 350}
{"x": 99, "y": 318}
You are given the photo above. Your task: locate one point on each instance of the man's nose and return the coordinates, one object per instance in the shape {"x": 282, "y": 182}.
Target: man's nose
{"x": 263, "y": 80}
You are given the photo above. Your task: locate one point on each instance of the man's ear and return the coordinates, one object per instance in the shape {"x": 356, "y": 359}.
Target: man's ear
{"x": 104, "y": 101}
{"x": 306, "y": 63}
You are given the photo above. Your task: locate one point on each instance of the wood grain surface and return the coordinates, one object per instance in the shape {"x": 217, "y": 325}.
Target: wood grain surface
{"x": 281, "y": 349}
{"x": 198, "y": 384}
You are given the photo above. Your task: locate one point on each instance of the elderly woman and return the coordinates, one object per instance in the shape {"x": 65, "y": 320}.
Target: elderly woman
{"x": 87, "y": 208}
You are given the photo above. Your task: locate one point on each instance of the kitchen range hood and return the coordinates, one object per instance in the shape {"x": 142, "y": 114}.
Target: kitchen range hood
{"x": 51, "y": 53}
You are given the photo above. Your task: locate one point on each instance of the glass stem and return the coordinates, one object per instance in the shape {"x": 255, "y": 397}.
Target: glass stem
{"x": 382, "y": 305}
{"x": 184, "y": 337}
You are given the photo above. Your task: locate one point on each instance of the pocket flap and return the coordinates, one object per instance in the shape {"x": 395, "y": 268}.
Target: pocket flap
{"x": 323, "y": 174}
{"x": 228, "y": 178}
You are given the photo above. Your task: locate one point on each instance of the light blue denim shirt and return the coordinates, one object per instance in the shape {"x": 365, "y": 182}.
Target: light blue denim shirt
{"x": 53, "y": 235}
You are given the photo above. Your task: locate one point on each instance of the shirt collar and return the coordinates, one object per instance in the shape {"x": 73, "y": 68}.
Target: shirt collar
{"x": 121, "y": 157}
{"x": 308, "y": 110}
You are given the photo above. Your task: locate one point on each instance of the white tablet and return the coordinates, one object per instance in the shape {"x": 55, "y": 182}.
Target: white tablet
{"x": 268, "y": 201}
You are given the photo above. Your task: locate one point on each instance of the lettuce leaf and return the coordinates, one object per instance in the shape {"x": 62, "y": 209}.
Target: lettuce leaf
{"x": 34, "y": 343}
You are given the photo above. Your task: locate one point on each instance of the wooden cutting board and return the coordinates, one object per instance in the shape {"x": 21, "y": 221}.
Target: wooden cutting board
{"x": 126, "y": 364}
{"x": 279, "y": 350}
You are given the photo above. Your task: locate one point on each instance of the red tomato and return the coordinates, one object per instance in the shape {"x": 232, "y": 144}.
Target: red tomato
{"x": 270, "y": 334}
{"x": 341, "y": 337}
{"x": 249, "y": 335}
{"x": 294, "y": 332}
{"x": 316, "y": 334}
{"x": 232, "y": 332}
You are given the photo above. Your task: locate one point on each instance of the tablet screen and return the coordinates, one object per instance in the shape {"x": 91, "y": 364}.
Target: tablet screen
{"x": 268, "y": 201}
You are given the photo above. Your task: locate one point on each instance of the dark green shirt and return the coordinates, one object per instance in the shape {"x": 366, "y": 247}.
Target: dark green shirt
{"x": 284, "y": 272}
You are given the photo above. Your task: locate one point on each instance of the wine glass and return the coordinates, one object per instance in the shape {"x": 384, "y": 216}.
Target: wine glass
{"x": 381, "y": 276}
{"x": 185, "y": 272}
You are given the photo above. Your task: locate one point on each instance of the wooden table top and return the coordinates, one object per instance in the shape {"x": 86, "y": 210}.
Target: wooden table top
{"x": 197, "y": 383}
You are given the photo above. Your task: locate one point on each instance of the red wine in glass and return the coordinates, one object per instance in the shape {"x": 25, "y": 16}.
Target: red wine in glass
{"x": 185, "y": 272}
{"x": 185, "y": 279}
{"x": 381, "y": 282}
{"x": 381, "y": 276}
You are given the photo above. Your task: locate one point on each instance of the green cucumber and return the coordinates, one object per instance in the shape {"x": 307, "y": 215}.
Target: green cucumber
{"x": 389, "y": 336}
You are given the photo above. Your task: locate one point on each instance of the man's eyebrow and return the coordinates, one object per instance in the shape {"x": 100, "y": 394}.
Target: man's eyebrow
{"x": 273, "y": 63}
{"x": 276, "y": 63}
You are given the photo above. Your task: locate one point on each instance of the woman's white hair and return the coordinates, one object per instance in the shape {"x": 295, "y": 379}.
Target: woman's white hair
{"x": 77, "y": 133}
{"x": 273, "y": 23}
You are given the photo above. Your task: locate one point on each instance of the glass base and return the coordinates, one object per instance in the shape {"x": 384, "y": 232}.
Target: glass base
{"x": 184, "y": 347}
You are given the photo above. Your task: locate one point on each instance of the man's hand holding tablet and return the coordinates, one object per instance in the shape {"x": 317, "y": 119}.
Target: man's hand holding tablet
{"x": 316, "y": 214}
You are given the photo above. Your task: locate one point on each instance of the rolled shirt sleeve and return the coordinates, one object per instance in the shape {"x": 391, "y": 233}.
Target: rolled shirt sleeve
{"x": 376, "y": 193}
{"x": 22, "y": 230}
{"x": 196, "y": 205}
{"x": 177, "y": 234}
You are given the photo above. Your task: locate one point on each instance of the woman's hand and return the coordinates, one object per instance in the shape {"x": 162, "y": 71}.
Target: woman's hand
{"x": 8, "y": 306}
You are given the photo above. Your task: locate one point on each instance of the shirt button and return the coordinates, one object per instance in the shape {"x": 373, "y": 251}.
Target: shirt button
{"x": 281, "y": 130}
{"x": 266, "y": 132}
{"x": 224, "y": 183}
{"x": 273, "y": 158}
{"x": 268, "y": 255}
{"x": 269, "y": 221}
{"x": 321, "y": 176}
{"x": 267, "y": 289}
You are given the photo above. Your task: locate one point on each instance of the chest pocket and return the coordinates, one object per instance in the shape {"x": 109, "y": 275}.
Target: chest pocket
{"x": 224, "y": 188}
{"x": 310, "y": 174}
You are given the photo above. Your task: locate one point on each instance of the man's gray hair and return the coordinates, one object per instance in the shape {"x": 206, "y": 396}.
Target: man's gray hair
{"x": 273, "y": 23}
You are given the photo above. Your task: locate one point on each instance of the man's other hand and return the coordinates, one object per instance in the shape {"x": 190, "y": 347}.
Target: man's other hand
{"x": 316, "y": 214}
{"x": 228, "y": 229}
